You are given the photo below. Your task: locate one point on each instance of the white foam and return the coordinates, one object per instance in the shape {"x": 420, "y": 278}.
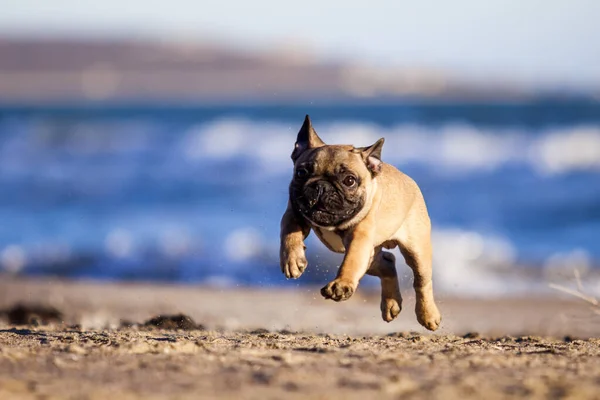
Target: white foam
{"x": 243, "y": 244}
{"x": 119, "y": 243}
{"x": 175, "y": 242}
{"x": 219, "y": 139}
{"x": 13, "y": 259}
{"x": 577, "y": 259}
{"x": 465, "y": 147}
{"x": 564, "y": 150}
{"x": 466, "y": 262}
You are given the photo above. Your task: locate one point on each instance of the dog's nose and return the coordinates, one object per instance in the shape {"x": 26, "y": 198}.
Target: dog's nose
{"x": 314, "y": 192}
{"x": 320, "y": 188}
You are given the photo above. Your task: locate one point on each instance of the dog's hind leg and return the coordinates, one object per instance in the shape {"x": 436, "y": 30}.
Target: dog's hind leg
{"x": 415, "y": 245}
{"x": 383, "y": 266}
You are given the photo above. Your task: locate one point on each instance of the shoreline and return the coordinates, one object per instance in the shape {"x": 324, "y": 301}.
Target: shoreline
{"x": 101, "y": 305}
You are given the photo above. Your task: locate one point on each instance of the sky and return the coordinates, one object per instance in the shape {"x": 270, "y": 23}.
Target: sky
{"x": 551, "y": 42}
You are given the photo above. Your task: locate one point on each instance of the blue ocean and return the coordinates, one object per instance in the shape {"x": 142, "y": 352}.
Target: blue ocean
{"x": 195, "y": 194}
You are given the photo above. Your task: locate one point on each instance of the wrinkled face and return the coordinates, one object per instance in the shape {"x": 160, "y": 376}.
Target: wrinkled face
{"x": 329, "y": 185}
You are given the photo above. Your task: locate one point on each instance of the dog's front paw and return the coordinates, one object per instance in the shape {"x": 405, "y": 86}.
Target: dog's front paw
{"x": 338, "y": 290}
{"x": 293, "y": 261}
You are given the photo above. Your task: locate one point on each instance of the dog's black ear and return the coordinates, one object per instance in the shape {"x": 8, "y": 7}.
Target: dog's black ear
{"x": 372, "y": 156}
{"x": 307, "y": 139}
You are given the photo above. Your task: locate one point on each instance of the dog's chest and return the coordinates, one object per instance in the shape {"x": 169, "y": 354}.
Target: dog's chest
{"x": 331, "y": 239}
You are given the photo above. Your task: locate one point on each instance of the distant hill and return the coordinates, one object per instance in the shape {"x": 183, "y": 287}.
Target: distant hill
{"x": 38, "y": 71}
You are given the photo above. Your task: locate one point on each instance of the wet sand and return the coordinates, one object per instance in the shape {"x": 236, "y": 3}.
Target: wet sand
{"x": 249, "y": 343}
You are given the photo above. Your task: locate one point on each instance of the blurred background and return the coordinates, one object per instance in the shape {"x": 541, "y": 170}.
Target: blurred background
{"x": 150, "y": 141}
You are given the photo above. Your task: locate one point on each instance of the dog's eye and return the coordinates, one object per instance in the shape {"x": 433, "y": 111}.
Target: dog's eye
{"x": 349, "y": 181}
{"x": 301, "y": 172}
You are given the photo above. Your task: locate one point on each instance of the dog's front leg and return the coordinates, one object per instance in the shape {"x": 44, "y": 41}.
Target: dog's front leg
{"x": 359, "y": 253}
{"x": 294, "y": 230}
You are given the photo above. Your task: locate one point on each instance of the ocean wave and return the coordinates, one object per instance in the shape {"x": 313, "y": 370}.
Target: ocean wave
{"x": 454, "y": 147}
{"x": 465, "y": 263}
{"x": 451, "y": 147}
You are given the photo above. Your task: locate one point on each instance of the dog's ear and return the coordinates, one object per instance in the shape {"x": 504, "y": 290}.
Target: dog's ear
{"x": 307, "y": 139}
{"x": 372, "y": 156}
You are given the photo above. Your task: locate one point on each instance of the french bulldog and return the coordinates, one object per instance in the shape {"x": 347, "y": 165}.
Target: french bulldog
{"x": 358, "y": 205}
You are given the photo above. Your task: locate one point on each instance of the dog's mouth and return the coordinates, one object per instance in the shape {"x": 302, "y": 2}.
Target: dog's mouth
{"x": 316, "y": 205}
{"x": 319, "y": 213}
{"x": 313, "y": 206}
{"x": 322, "y": 204}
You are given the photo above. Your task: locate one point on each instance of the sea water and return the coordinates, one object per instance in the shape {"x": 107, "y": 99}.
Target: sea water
{"x": 195, "y": 194}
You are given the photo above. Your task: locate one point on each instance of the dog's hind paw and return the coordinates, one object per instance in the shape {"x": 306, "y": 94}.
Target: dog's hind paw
{"x": 429, "y": 316}
{"x": 390, "y": 309}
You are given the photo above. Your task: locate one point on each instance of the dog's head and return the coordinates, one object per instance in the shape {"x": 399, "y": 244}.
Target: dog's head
{"x": 333, "y": 185}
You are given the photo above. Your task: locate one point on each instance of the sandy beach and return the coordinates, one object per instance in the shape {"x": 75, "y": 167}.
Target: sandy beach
{"x": 85, "y": 340}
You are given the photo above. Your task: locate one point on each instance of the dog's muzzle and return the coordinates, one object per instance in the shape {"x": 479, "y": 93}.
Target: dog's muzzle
{"x": 313, "y": 193}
